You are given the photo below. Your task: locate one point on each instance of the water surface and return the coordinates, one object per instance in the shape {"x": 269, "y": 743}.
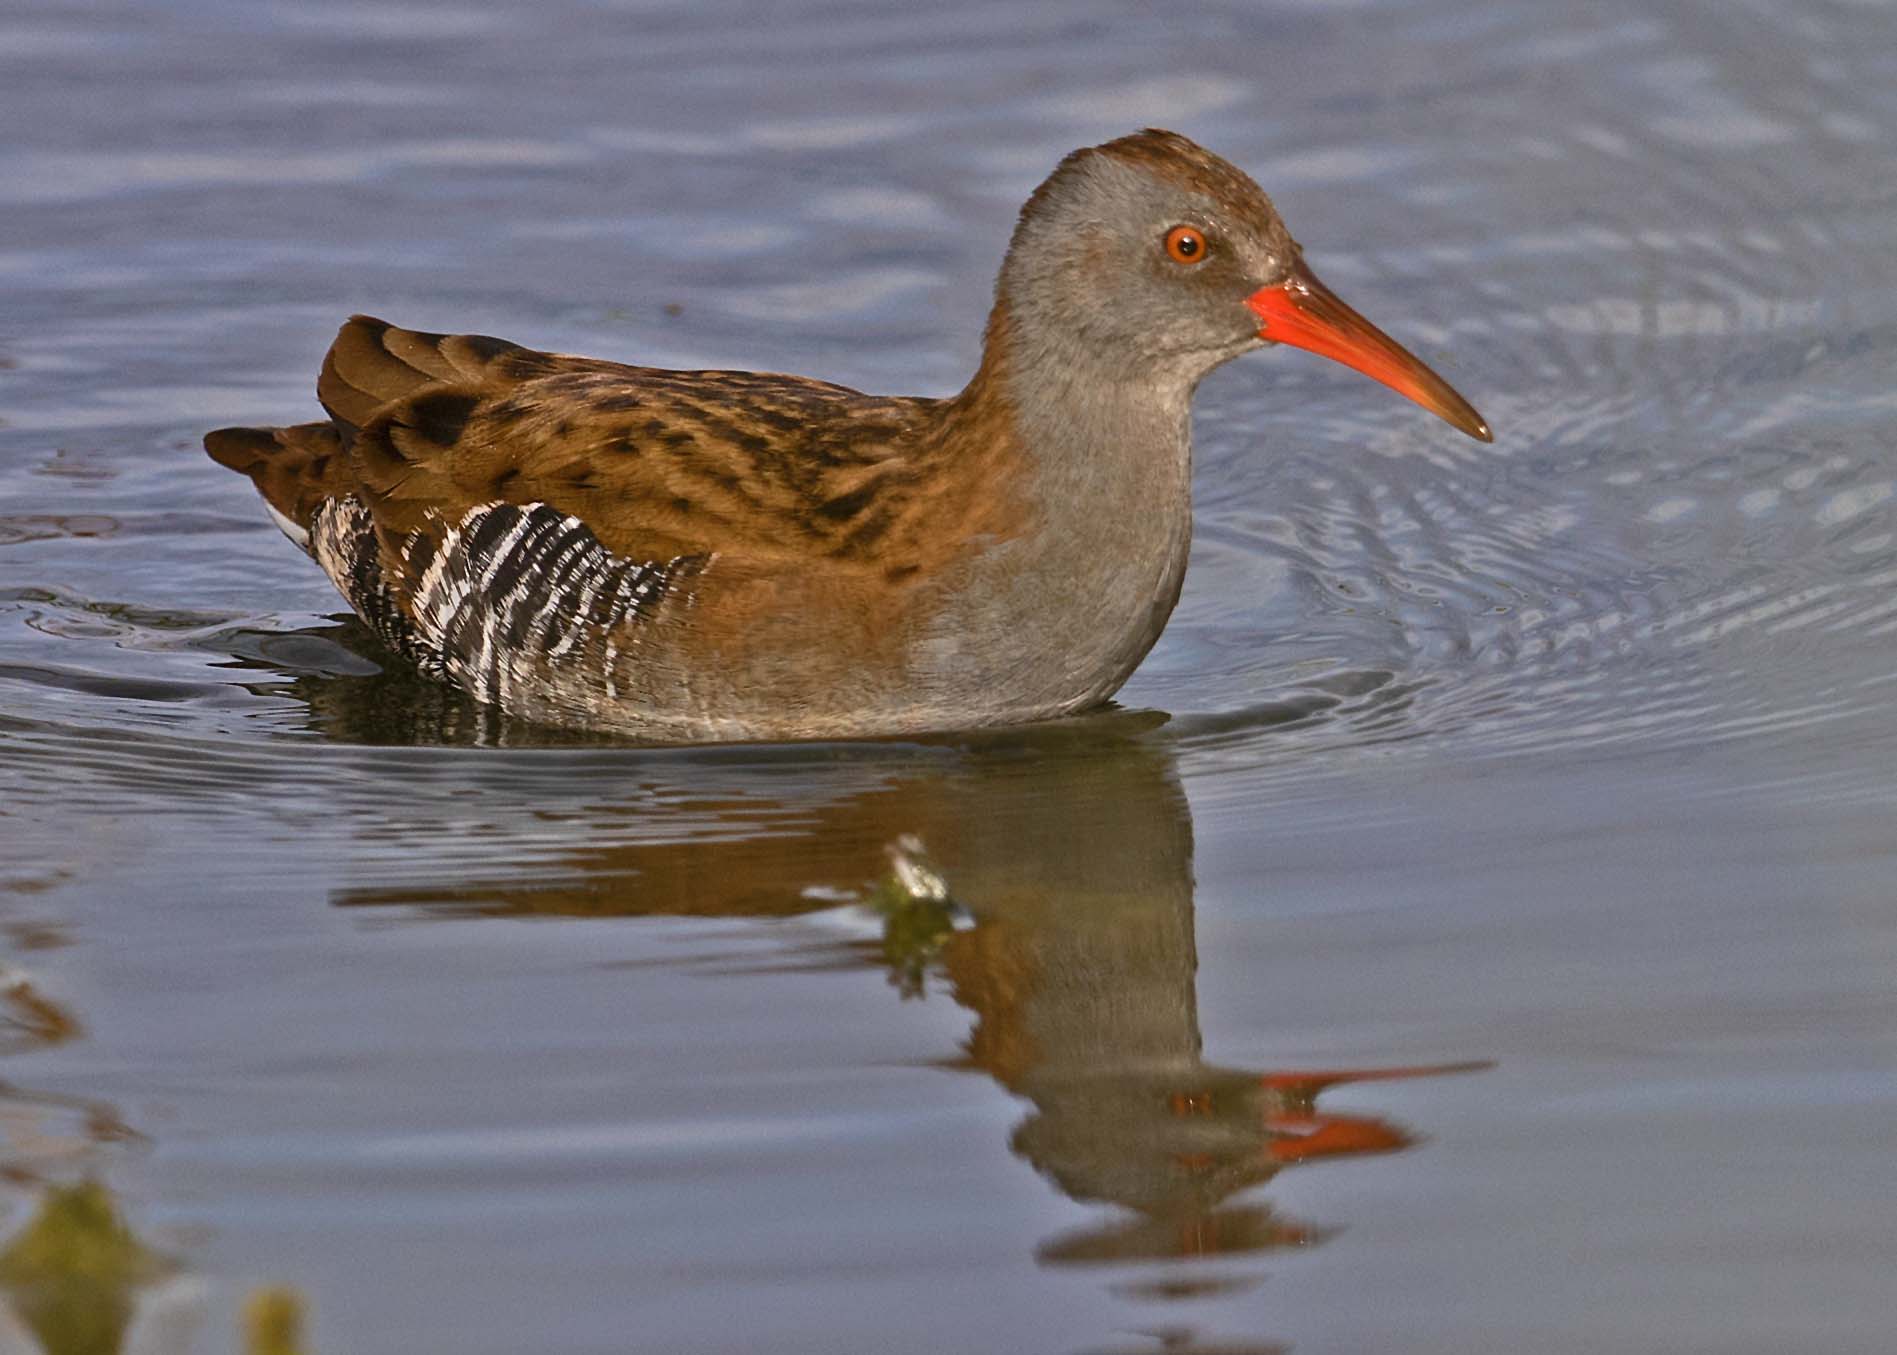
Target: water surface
{"x": 1471, "y": 932}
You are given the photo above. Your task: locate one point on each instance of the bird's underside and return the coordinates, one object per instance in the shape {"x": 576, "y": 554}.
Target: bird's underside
{"x": 671, "y": 555}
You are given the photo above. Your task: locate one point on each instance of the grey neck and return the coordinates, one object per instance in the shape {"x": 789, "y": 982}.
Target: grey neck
{"x": 1109, "y": 474}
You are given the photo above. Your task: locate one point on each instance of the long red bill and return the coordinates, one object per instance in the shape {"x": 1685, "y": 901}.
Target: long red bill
{"x": 1303, "y": 312}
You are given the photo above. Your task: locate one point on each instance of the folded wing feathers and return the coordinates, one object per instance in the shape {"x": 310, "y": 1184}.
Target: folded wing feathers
{"x": 372, "y": 364}
{"x": 658, "y": 464}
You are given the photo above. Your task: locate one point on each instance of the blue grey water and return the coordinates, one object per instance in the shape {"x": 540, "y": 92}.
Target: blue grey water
{"x": 1475, "y": 931}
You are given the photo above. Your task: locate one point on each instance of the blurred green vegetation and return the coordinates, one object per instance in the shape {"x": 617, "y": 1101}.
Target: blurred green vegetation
{"x": 73, "y": 1272}
{"x": 273, "y": 1323}
{"x": 72, "y": 1277}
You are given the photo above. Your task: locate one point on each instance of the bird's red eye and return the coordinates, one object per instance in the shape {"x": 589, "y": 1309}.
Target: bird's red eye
{"x": 1185, "y": 244}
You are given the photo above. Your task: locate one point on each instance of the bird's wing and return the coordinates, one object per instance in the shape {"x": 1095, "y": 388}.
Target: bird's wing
{"x": 476, "y": 500}
{"x": 655, "y": 463}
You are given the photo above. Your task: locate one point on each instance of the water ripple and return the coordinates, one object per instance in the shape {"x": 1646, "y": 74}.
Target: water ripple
{"x": 1683, "y": 343}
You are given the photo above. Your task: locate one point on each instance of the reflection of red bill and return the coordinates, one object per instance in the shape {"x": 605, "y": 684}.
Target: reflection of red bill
{"x": 1300, "y": 1132}
{"x": 1312, "y": 1083}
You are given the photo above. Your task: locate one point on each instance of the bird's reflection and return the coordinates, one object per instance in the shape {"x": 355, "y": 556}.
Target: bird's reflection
{"x": 1045, "y": 880}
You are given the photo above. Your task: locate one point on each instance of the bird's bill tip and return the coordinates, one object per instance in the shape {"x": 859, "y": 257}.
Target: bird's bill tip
{"x": 1304, "y": 313}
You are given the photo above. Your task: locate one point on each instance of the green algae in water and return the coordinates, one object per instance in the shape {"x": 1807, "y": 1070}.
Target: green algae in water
{"x": 73, "y": 1272}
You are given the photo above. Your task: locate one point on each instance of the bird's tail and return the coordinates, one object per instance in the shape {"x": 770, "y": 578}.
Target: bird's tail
{"x": 291, "y": 467}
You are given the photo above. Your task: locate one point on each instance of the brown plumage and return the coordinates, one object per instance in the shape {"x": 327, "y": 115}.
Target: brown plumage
{"x": 710, "y": 555}
{"x": 656, "y": 462}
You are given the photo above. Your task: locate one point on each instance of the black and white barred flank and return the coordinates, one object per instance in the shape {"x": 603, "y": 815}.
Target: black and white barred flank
{"x": 342, "y": 539}
{"x": 507, "y": 589}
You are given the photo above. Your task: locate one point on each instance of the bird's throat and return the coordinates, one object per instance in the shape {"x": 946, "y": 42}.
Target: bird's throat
{"x": 1106, "y": 477}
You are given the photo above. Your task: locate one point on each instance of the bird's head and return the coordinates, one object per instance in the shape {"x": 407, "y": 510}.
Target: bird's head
{"x": 1159, "y": 257}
